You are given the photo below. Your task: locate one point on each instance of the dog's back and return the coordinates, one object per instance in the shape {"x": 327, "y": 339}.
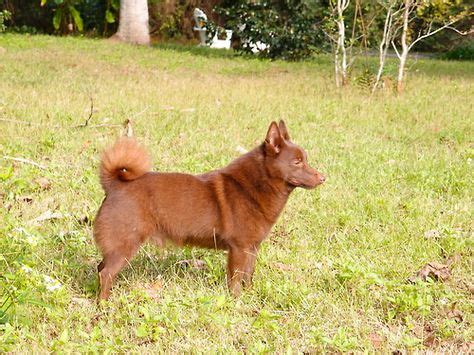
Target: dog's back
{"x": 205, "y": 210}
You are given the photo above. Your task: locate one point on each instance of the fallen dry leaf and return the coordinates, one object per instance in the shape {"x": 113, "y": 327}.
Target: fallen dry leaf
{"x": 455, "y": 314}
{"x": 283, "y": 267}
{"x": 153, "y": 290}
{"x": 377, "y": 340}
{"x": 27, "y": 199}
{"x": 432, "y": 234}
{"x": 46, "y": 216}
{"x": 433, "y": 270}
{"x": 430, "y": 340}
{"x": 84, "y": 219}
{"x": 44, "y": 183}
{"x": 429, "y": 336}
{"x": 454, "y": 259}
{"x": 81, "y": 301}
{"x": 84, "y": 146}
{"x": 195, "y": 264}
{"x": 467, "y": 348}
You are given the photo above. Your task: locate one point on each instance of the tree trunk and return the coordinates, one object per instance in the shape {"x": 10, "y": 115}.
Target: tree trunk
{"x": 342, "y": 46}
{"x": 405, "y": 49}
{"x": 401, "y": 73}
{"x": 133, "y": 24}
{"x": 336, "y": 66}
{"x": 341, "y": 6}
{"x": 383, "y": 47}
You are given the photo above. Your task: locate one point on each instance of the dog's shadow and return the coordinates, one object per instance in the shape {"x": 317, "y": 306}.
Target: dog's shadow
{"x": 167, "y": 265}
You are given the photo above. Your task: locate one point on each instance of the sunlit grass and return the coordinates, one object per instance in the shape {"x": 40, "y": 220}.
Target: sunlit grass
{"x": 333, "y": 274}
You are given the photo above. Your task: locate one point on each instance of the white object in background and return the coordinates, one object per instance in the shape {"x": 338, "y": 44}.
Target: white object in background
{"x": 222, "y": 43}
{"x": 255, "y": 47}
{"x": 200, "y": 18}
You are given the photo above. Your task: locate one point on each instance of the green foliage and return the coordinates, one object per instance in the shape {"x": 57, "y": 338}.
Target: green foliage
{"x": 341, "y": 341}
{"x": 442, "y": 10}
{"x": 170, "y": 24}
{"x": 289, "y": 28}
{"x": 4, "y": 16}
{"x": 66, "y": 16}
{"x": 111, "y": 13}
{"x": 464, "y": 51}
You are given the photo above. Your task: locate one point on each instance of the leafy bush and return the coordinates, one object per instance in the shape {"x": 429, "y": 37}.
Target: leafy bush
{"x": 464, "y": 51}
{"x": 66, "y": 16}
{"x": 4, "y": 16}
{"x": 289, "y": 29}
{"x": 28, "y": 16}
{"x": 63, "y": 16}
{"x": 99, "y": 16}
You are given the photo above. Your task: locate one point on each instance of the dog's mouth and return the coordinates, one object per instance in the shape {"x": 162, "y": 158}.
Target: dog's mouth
{"x": 301, "y": 184}
{"x": 308, "y": 183}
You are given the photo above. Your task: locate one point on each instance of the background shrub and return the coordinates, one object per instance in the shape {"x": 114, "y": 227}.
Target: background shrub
{"x": 4, "y": 16}
{"x": 464, "y": 51}
{"x": 291, "y": 29}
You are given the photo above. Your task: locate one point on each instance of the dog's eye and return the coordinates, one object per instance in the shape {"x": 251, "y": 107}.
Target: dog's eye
{"x": 298, "y": 162}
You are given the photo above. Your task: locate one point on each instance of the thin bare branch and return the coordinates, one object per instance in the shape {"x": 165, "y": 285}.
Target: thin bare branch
{"x": 86, "y": 123}
{"x": 91, "y": 112}
{"x": 28, "y": 123}
{"x": 462, "y": 33}
{"x": 135, "y": 115}
{"x": 32, "y": 124}
{"x": 430, "y": 33}
{"x": 330, "y": 37}
{"x": 26, "y": 161}
{"x": 396, "y": 50}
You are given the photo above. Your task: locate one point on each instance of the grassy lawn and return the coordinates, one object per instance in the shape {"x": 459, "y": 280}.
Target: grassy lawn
{"x": 333, "y": 275}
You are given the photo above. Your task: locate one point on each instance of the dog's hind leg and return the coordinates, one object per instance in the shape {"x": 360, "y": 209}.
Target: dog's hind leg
{"x": 111, "y": 266}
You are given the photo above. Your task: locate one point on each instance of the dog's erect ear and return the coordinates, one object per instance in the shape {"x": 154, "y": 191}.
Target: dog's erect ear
{"x": 274, "y": 140}
{"x": 283, "y": 130}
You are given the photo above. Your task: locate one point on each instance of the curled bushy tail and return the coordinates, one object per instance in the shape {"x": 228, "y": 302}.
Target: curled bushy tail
{"x": 126, "y": 160}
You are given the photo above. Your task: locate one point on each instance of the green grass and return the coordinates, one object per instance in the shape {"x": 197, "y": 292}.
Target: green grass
{"x": 333, "y": 274}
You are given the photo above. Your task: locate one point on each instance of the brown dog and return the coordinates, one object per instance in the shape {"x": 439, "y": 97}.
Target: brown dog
{"x": 232, "y": 208}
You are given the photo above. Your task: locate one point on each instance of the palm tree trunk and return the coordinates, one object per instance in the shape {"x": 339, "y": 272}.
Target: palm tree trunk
{"x": 133, "y": 24}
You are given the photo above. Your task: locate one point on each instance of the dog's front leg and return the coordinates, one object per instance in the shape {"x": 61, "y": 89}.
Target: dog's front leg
{"x": 241, "y": 262}
{"x": 252, "y": 259}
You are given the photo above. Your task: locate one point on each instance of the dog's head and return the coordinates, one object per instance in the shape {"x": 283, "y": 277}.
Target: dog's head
{"x": 288, "y": 161}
